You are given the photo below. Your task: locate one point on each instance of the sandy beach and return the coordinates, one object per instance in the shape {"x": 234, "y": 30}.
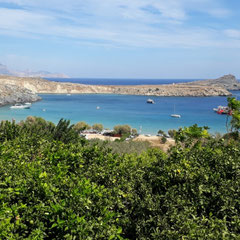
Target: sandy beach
{"x": 155, "y": 141}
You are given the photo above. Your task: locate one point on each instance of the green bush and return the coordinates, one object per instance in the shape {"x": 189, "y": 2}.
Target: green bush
{"x": 134, "y": 132}
{"x": 163, "y": 140}
{"x": 56, "y": 187}
{"x": 161, "y": 132}
{"x": 172, "y": 133}
{"x": 81, "y": 126}
{"x": 98, "y": 127}
{"x": 122, "y": 130}
{"x": 122, "y": 147}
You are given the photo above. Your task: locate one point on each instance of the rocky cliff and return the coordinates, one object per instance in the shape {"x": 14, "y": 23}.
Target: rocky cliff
{"x": 39, "y": 85}
{"x": 10, "y": 94}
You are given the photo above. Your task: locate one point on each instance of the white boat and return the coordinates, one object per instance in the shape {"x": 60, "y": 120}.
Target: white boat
{"x": 150, "y": 101}
{"x": 20, "y": 106}
{"x": 175, "y": 115}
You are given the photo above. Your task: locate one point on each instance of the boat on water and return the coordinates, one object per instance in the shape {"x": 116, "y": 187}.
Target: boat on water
{"x": 151, "y": 101}
{"x": 21, "y": 106}
{"x": 174, "y": 115}
{"x": 222, "y": 110}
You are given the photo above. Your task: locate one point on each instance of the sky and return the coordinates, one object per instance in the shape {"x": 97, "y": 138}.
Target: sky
{"x": 122, "y": 38}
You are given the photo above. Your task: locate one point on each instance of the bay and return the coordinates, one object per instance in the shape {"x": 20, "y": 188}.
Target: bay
{"x": 111, "y": 110}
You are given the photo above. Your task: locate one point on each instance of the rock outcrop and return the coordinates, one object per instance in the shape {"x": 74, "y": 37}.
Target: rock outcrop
{"x": 228, "y": 82}
{"x": 39, "y": 85}
{"x": 10, "y": 94}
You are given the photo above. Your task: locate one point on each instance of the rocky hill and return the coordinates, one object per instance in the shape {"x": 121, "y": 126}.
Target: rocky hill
{"x": 10, "y": 94}
{"x": 39, "y": 85}
{"x": 228, "y": 82}
{"x": 4, "y": 70}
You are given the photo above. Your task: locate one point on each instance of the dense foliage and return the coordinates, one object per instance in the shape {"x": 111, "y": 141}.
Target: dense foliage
{"x": 55, "y": 185}
{"x": 98, "y": 127}
{"x": 234, "y": 111}
{"x": 122, "y": 129}
{"x": 81, "y": 126}
{"x": 122, "y": 147}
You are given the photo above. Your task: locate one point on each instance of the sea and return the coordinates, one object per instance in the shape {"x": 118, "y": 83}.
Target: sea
{"x": 111, "y": 109}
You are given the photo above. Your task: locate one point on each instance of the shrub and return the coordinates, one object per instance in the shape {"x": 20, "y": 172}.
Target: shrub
{"x": 98, "y": 127}
{"x": 163, "y": 140}
{"x": 161, "y": 132}
{"x": 122, "y": 129}
{"x": 122, "y": 147}
{"x": 81, "y": 126}
{"x": 65, "y": 132}
{"x": 63, "y": 189}
{"x": 134, "y": 132}
{"x": 172, "y": 133}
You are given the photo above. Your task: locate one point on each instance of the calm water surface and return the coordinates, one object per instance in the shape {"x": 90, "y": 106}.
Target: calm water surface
{"x": 122, "y": 109}
{"x": 114, "y": 81}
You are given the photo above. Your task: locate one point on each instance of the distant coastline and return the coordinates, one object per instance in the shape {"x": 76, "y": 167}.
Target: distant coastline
{"x": 123, "y": 81}
{"x": 120, "y": 81}
{"x": 175, "y": 88}
{"x": 215, "y": 87}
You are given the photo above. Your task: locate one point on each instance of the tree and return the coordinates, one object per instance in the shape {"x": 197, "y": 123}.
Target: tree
{"x": 98, "y": 127}
{"x": 172, "y": 133}
{"x": 234, "y": 111}
{"x": 134, "y": 132}
{"x": 191, "y": 135}
{"x": 163, "y": 140}
{"x": 65, "y": 132}
{"x": 162, "y": 133}
{"x": 122, "y": 129}
{"x": 81, "y": 126}
{"x": 61, "y": 190}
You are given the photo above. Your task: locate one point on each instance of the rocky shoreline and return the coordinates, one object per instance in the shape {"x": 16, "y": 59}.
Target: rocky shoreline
{"x": 22, "y": 89}
{"x": 11, "y": 94}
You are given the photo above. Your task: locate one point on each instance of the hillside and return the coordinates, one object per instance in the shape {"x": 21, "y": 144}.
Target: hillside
{"x": 10, "y": 94}
{"x": 4, "y": 70}
{"x": 39, "y": 85}
{"x": 228, "y": 82}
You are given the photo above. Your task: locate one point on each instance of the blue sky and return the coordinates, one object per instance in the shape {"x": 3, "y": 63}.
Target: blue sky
{"x": 122, "y": 38}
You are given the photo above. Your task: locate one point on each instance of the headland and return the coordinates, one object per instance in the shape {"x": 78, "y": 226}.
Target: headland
{"x": 10, "y": 94}
{"x": 214, "y": 87}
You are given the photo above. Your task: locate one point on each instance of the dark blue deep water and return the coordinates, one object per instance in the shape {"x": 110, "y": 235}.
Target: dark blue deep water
{"x": 109, "y": 81}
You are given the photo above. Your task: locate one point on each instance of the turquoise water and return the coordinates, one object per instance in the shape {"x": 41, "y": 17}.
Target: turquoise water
{"x": 132, "y": 110}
